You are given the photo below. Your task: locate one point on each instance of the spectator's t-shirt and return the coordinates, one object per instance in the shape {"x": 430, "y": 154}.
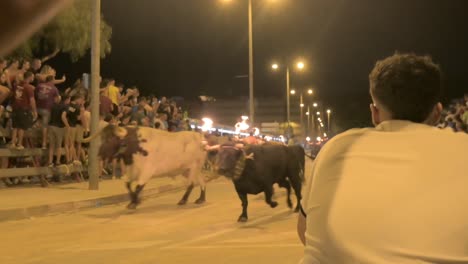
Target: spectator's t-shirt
{"x": 113, "y": 92}
{"x": 464, "y": 117}
{"x": 391, "y": 194}
{"x": 105, "y": 105}
{"x": 45, "y": 95}
{"x": 73, "y": 113}
{"x": 22, "y": 96}
{"x": 56, "y": 115}
{"x": 138, "y": 117}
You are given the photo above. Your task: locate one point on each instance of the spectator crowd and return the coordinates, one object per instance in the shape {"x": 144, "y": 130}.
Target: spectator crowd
{"x": 456, "y": 115}
{"x": 36, "y": 112}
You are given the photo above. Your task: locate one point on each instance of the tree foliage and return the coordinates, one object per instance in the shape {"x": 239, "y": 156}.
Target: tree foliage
{"x": 69, "y": 32}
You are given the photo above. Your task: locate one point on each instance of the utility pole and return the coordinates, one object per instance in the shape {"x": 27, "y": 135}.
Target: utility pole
{"x": 93, "y": 169}
{"x": 251, "y": 82}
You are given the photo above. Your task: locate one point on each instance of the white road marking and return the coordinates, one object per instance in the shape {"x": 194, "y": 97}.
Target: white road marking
{"x": 288, "y": 245}
{"x": 113, "y": 246}
{"x": 227, "y": 230}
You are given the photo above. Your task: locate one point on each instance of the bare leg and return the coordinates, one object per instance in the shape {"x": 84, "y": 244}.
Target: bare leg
{"x": 20, "y": 137}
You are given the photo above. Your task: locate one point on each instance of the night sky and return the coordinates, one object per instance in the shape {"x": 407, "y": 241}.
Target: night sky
{"x": 193, "y": 47}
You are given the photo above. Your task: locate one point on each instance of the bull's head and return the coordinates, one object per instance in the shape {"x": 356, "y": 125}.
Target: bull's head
{"x": 230, "y": 161}
{"x": 111, "y": 131}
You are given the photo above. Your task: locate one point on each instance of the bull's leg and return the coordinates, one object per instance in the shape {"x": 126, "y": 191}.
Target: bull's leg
{"x": 297, "y": 185}
{"x": 285, "y": 184}
{"x": 202, "y": 197}
{"x": 186, "y": 195}
{"x": 269, "y": 195}
{"x": 243, "y": 217}
{"x": 129, "y": 188}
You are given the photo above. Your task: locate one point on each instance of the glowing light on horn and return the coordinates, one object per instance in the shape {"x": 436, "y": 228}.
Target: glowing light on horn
{"x": 207, "y": 124}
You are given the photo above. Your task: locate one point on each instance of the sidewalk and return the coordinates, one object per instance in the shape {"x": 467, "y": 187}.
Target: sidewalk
{"x": 29, "y": 202}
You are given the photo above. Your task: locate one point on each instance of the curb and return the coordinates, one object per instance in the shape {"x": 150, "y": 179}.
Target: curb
{"x": 74, "y": 206}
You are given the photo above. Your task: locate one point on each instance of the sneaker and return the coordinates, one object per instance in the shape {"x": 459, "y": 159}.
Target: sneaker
{"x": 76, "y": 162}
{"x": 51, "y": 165}
{"x": 19, "y": 147}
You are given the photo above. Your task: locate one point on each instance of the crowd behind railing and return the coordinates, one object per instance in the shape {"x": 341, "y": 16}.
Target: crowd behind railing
{"x": 36, "y": 113}
{"x": 455, "y": 116}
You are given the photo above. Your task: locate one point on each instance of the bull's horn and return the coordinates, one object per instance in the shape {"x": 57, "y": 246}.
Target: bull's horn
{"x": 92, "y": 137}
{"x": 120, "y": 132}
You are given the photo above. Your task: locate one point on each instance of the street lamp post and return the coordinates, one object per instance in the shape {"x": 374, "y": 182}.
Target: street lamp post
{"x": 328, "y": 120}
{"x": 288, "y": 109}
{"x": 300, "y": 65}
{"x": 251, "y": 84}
{"x": 95, "y": 68}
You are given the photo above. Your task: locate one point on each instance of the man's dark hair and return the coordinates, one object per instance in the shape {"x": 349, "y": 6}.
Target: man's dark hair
{"x": 49, "y": 78}
{"x": 28, "y": 74}
{"x": 407, "y": 85}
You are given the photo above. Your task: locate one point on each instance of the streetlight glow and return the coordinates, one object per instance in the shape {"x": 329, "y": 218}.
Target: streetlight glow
{"x": 275, "y": 66}
{"x": 307, "y": 113}
{"x": 318, "y": 113}
{"x": 310, "y": 91}
{"x": 300, "y": 65}
{"x": 315, "y": 104}
{"x": 328, "y": 111}
{"x": 302, "y": 105}
{"x": 293, "y": 92}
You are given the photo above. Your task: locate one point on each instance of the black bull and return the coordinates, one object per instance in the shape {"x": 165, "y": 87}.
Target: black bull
{"x": 256, "y": 169}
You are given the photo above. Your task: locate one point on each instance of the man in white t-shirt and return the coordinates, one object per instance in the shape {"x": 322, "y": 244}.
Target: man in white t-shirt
{"x": 395, "y": 193}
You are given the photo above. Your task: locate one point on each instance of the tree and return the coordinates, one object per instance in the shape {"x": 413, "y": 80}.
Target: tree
{"x": 69, "y": 32}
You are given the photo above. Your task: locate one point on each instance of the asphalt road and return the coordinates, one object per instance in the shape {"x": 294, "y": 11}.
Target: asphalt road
{"x": 160, "y": 232}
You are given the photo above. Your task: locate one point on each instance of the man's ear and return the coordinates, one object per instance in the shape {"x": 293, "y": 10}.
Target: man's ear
{"x": 375, "y": 115}
{"x": 435, "y": 115}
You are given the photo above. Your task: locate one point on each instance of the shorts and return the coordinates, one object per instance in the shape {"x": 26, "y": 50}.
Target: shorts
{"x": 115, "y": 110}
{"x": 22, "y": 119}
{"x": 45, "y": 117}
{"x": 75, "y": 134}
{"x": 56, "y": 135}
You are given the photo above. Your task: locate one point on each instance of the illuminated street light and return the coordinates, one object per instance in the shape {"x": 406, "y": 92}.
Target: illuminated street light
{"x": 307, "y": 113}
{"x": 328, "y": 111}
{"x": 318, "y": 113}
{"x": 302, "y": 105}
{"x": 319, "y": 139}
{"x": 310, "y": 91}
{"x": 308, "y": 139}
{"x": 315, "y": 104}
{"x": 300, "y": 65}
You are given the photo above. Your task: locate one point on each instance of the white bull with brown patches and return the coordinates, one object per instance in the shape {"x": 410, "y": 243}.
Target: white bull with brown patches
{"x": 149, "y": 152}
